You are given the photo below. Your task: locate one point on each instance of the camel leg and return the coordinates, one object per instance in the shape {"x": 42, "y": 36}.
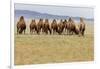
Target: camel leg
{"x": 17, "y": 30}
{"x": 33, "y": 31}
{"x": 67, "y": 32}
{"x": 38, "y": 32}
{"x": 82, "y": 33}
{"x": 72, "y": 32}
{"x": 49, "y": 30}
{"x": 24, "y": 31}
{"x": 30, "y": 31}
{"x": 46, "y": 31}
{"x": 53, "y": 32}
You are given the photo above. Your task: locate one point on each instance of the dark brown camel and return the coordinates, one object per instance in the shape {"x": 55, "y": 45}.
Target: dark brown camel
{"x": 33, "y": 26}
{"x": 21, "y": 26}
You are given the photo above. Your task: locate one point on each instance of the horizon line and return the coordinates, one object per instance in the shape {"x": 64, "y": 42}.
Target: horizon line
{"x": 54, "y": 14}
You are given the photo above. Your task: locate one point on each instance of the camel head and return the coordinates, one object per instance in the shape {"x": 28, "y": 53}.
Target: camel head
{"x": 65, "y": 21}
{"x": 61, "y": 20}
{"x": 70, "y": 19}
{"x": 54, "y": 21}
{"x": 41, "y": 19}
{"x": 33, "y": 20}
{"x": 46, "y": 20}
{"x": 81, "y": 19}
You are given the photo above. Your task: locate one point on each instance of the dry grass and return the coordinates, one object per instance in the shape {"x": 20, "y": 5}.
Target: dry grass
{"x": 39, "y": 49}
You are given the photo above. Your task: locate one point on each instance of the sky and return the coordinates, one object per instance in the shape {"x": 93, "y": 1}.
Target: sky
{"x": 87, "y": 12}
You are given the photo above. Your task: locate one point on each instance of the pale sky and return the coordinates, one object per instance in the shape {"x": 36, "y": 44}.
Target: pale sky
{"x": 87, "y": 12}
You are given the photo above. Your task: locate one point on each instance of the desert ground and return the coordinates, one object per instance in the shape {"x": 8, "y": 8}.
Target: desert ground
{"x": 41, "y": 49}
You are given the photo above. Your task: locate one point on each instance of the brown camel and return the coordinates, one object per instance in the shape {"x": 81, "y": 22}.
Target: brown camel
{"x": 71, "y": 26}
{"x": 33, "y": 26}
{"x": 65, "y": 25}
{"x": 81, "y": 26}
{"x": 40, "y": 26}
{"x": 61, "y": 27}
{"x": 46, "y": 26}
{"x": 54, "y": 26}
{"x": 21, "y": 26}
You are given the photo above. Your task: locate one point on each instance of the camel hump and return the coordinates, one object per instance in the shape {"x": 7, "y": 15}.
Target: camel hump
{"x": 21, "y": 18}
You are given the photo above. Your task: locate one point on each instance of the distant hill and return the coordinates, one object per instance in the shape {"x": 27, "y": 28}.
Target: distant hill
{"x": 38, "y": 15}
